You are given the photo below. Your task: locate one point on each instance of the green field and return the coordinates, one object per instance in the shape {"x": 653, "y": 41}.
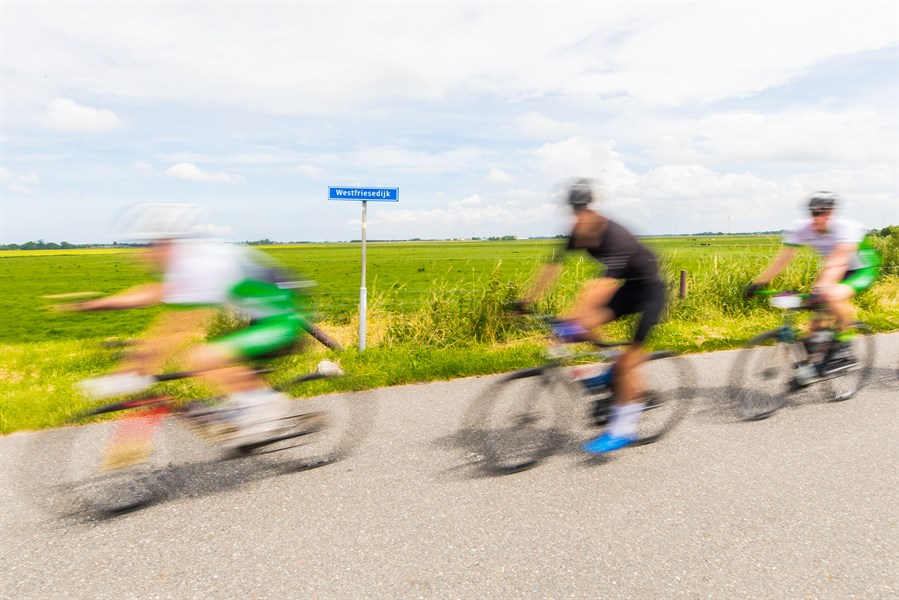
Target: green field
{"x": 435, "y": 309}
{"x": 401, "y": 276}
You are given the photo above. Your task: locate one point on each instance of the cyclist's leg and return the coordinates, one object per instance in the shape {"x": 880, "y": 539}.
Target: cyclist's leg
{"x": 649, "y": 301}
{"x": 591, "y": 309}
{"x": 167, "y": 336}
{"x": 837, "y": 297}
{"x": 222, "y": 362}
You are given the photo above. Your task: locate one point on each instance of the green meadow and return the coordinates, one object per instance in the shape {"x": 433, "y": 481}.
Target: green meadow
{"x": 435, "y": 309}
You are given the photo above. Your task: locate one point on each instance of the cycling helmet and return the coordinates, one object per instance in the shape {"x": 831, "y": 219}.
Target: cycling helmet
{"x": 821, "y": 201}
{"x": 156, "y": 221}
{"x": 580, "y": 193}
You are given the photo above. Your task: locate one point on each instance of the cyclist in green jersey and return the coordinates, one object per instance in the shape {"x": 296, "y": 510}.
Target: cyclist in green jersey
{"x": 850, "y": 264}
{"x": 198, "y": 277}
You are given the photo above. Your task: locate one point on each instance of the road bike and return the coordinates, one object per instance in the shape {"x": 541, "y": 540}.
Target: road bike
{"x": 125, "y": 462}
{"x": 777, "y": 363}
{"x": 525, "y": 417}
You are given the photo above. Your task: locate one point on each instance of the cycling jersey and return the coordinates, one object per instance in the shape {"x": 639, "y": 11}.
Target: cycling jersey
{"x": 204, "y": 274}
{"x": 625, "y": 258}
{"x": 622, "y": 254}
{"x": 839, "y": 231}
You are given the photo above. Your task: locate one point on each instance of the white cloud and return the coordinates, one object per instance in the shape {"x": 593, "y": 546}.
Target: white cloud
{"x": 21, "y": 189}
{"x": 498, "y": 176}
{"x": 310, "y": 171}
{"x": 580, "y": 157}
{"x": 797, "y": 136}
{"x": 141, "y": 165}
{"x": 194, "y": 173}
{"x": 66, "y": 115}
{"x": 658, "y": 54}
{"x": 535, "y": 125}
{"x": 10, "y": 176}
{"x": 19, "y": 183}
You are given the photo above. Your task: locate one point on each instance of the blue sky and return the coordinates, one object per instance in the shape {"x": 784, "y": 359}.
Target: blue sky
{"x": 691, "y": 116}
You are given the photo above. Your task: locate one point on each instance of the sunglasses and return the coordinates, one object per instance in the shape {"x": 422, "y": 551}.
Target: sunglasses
{"x": 819, "y": 213}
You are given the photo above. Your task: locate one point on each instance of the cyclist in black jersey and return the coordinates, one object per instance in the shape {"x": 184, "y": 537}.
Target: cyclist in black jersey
{"x": 631, "y": 284}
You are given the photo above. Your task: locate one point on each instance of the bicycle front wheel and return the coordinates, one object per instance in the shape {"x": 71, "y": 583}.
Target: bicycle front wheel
{"x": 319, "y": 430}
{"x": 668, "y": 390}
{"x": 762, "y": 376}
{"x": 517, "y": 421}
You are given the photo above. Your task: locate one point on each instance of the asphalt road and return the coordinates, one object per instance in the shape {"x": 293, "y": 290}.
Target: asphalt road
{"x": 802, "y": 505}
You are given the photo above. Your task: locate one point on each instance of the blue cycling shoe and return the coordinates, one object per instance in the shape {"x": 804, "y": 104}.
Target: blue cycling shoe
{"x": 607, "y": 443}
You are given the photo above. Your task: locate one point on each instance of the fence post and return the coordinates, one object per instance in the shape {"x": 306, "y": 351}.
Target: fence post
{"x": 683, "y": 284}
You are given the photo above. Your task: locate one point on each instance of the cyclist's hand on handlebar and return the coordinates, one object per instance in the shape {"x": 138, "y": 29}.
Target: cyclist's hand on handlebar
{"x": 752, "y": 289}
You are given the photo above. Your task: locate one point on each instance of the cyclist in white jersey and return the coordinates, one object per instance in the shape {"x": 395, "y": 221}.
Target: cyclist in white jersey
{"x": 199, "y": 277}
{"x": 850, "y": 264}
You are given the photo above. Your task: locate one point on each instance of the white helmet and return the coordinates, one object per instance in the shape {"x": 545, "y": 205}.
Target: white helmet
{"x": 155, "y": 221}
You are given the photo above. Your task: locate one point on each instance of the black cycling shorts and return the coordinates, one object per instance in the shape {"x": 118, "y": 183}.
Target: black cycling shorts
{"x": 646, "y": 298}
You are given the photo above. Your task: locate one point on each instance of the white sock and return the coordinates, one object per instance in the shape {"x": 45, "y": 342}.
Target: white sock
{"x": 625, "y": 418}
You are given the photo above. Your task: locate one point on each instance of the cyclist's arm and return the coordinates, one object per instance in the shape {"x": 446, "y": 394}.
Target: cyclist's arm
{"x": 548, "y": 276}
{"x": 778, "y": 265}
{"x": 836, "y": 264}
{"x": 136, "y": 297}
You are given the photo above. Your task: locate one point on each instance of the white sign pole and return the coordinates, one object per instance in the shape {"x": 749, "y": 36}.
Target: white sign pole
{"x": 363, "y": 292}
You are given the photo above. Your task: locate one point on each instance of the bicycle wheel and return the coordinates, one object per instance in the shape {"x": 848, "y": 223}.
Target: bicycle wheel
{"x": 319, "y": 430}
{"x": 847, "y": 378}
{"x": 517, "y": 421}
{"x": 668, "y": 390}
{"x": 119, "y": 465}
{"x": 762, "y": 376}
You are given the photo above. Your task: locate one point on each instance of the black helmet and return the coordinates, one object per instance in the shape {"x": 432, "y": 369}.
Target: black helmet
{"x": 821, "y": 201}
{"x": 580, "y": 193}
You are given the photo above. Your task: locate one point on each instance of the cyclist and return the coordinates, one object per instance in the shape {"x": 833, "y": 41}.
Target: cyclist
{"x": 197, "y": 277}
{"x": 631, "y": 284}
{"x": 850, "y": 266}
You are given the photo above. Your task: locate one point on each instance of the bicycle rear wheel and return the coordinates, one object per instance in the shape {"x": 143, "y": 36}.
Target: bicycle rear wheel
{"x": 762, "y": 376}
{"x": 517, "y": 421}
{"x": 847, "y": 378}
{"x": 668, "y": 391}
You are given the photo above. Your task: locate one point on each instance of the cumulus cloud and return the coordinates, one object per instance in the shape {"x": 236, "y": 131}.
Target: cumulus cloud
{"x": 19, "y": 183}
{"x": 498, "y": 176}
{"x": 796, "y": 136}
{"x": 65, "y": 114}
{"x": 581, "y": 157}
{"x": 192, "y": 172}
{"x": 657, "y": 54}
{"x": 21, "y": 189}
{"x": 310, "y": 171}
{"x": 535, "y": 125}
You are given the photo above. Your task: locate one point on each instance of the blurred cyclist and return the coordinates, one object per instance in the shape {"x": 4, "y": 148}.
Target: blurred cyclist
{"x": 631, "y": 284}
{"x": 197, "y": 277}
{"x": 850, "y": 264}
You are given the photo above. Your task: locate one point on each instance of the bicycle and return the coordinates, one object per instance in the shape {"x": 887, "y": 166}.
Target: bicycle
{"x": 776, "y": 363}
{"x": 526, "y": 416}
{"x": 120, "y": 465}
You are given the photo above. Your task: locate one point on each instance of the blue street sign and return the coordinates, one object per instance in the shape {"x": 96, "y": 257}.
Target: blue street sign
{"x": 367, "y": 194}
